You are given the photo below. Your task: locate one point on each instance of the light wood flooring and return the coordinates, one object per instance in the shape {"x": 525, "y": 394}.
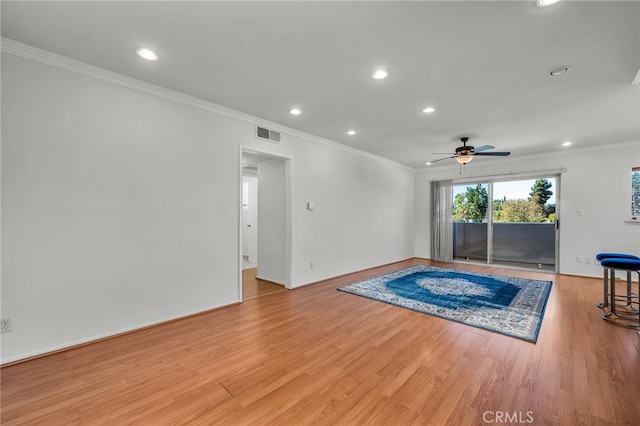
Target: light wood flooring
{"x": 315, "y": 355}
{"x": 255, "y": 287}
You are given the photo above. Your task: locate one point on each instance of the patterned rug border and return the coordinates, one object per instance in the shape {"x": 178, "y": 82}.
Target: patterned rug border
{"x": 532, "y": 338}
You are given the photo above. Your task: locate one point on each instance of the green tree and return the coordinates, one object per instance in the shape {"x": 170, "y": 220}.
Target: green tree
{"x": 541, "y": 190}
{"x": 522, "y": 211}
{"x": 497, "y": 208}
{"x": 549, "y": 209}
{"x": 471, "y": 205}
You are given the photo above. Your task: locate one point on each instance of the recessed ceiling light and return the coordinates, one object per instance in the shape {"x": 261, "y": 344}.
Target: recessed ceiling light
{"x": 428, "y": 110}
{"x": 559, "y": 70}
{"x": 428, "y": 163}
{"x": 147, "y": 54}
{"x": 545, "y": 3}
{"x": 380, "y": 74}
{"x": 566, "y": 143}
{"x": 295, "y": 111}
{"x": 351, "y": 132}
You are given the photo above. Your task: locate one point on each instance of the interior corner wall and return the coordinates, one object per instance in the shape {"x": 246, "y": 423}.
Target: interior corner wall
{"x": 597, "y": 182}
{"x": 120, "y": 208}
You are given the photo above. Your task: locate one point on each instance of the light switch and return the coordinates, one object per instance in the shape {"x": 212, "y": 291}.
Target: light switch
{"x": 310, "y": 205}
{"x": 580, "y": 212}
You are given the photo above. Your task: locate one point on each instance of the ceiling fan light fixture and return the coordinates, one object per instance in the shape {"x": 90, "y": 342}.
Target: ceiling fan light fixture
{"x": 464, "y": 159}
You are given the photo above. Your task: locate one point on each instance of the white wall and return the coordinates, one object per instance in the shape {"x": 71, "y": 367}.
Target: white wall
{"x": 272, "y": 221}
{"x": 597, "y": 181}
{"x": 250, "y": 219}
{"x": 362, "y": 208}
{"x": 120, "y": 208}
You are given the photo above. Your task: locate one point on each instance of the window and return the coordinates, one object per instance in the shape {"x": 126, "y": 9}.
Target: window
{"x": 635, "y": 192}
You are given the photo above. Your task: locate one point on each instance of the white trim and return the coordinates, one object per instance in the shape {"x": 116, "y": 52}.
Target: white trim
{"x": 48, "y": 58}
{"x": 240, "y": 224}
{"x": 108, "y": 335}
{"x": 288, "y": 214}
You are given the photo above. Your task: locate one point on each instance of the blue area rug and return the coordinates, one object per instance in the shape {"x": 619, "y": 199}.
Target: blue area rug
{"x": 506, "y": 305}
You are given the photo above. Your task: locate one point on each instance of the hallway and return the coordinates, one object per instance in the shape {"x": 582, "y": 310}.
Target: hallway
{"x": 253, "y": 287}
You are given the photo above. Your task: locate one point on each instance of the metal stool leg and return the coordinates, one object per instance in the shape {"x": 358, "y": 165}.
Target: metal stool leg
{"x": 624, "y": 315}
{"x": 612, "y": 293}
{"x": 628, "y": 288}
{"x": 605, "y": 290}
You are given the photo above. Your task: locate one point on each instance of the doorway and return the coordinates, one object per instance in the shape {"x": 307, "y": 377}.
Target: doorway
{"x": 507, "y": 223}
{"x": 264, "y": 218}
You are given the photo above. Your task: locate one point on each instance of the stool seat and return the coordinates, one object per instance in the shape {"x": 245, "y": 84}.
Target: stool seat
{"x": 601, "y": 256}
{"x": 621, "y": 263}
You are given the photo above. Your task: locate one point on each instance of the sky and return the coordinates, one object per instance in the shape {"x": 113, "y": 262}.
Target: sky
{"x": 512, "y": 189}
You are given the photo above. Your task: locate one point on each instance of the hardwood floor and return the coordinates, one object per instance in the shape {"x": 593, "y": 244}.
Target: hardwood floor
{"x": 315, "y": 355}
{"x": 255, "y": 287}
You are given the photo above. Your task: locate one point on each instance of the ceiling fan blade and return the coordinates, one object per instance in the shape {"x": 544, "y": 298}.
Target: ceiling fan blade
{"x": 483, "y": 148}
{"x": 440, "y": 159}
{"x": 495, "y": 154}
{"x": 443, "y": 153}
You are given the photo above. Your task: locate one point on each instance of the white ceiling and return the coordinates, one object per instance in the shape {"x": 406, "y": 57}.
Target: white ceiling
{"x": 483, "y": 65}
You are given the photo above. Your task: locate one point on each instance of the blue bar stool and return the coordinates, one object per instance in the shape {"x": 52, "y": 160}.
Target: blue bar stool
{"x": 627, "y": 315}
{"x": 605, "y": 280}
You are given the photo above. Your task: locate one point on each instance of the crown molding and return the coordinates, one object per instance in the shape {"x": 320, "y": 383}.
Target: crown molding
{"x": 62, "y": 62}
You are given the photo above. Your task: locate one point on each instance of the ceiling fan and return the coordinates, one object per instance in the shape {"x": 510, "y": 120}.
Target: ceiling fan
{"x": 465, "y": 153}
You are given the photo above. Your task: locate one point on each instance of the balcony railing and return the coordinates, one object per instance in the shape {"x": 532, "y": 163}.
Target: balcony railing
{"x": 531, "y": 243}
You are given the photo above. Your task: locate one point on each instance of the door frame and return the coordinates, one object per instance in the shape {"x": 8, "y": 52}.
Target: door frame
{"x": 287, "y": 211}
{"x": 490, "y": 181}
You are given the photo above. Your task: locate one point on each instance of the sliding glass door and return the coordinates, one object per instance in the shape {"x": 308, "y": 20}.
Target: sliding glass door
{"x": 509, "y": 223}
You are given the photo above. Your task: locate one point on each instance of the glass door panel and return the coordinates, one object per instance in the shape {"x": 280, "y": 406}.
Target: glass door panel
{"x": 524, "y": 230}
{"x": 470, "y": 220}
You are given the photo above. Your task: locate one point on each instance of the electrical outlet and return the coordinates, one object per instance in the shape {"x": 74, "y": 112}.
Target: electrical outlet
{"x": 312, "y": 265}
{"x": 587, "y": 260}
{"x": 578, "y": 259}
{"x": 6, "y": 325}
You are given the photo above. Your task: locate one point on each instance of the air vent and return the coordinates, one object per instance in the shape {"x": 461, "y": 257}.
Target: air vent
{"x": 267, "y": 135}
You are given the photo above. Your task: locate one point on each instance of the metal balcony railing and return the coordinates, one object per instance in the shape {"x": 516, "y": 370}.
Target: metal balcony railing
{"x": 531, "y": 243}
